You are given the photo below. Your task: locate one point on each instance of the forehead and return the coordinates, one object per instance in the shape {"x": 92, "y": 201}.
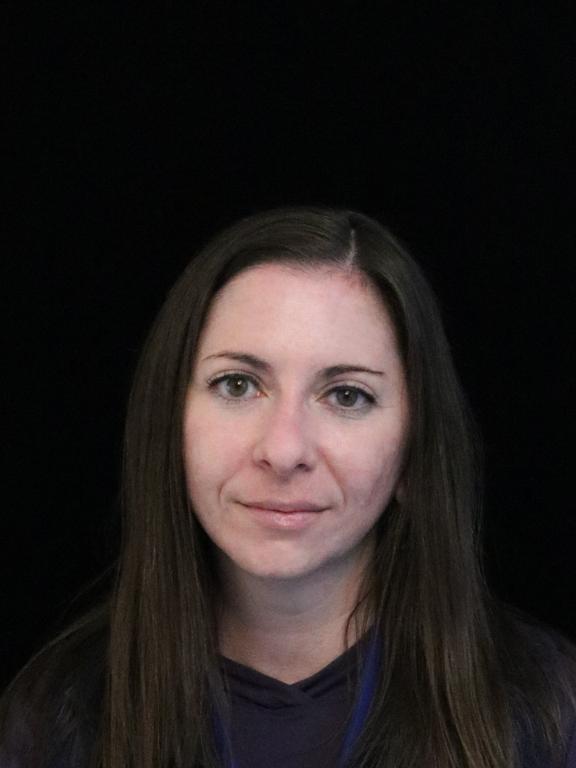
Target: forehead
{"x": 276, "y": 310}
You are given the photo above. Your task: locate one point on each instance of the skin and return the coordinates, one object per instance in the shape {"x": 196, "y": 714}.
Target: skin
{"x": 288, "y": 434}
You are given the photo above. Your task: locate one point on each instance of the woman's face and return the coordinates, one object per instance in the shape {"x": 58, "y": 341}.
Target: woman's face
{"x": 295, "y": 420}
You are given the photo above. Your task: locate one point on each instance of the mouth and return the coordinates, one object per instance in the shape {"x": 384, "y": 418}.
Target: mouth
{"x": 284, "y": 516}
{"x": 287, "y": 508}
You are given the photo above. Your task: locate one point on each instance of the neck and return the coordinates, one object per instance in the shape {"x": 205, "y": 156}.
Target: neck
{"x": 288, "y": 628}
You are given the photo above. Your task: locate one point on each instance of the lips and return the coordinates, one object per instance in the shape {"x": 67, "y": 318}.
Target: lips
{"x": 284, "y": 518}
{"x": 274, "y": 505}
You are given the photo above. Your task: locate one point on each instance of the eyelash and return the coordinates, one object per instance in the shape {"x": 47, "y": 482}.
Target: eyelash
{"x": 213, "y": 384}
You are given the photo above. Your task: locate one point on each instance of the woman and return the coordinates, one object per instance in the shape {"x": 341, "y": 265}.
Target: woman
{"x": 299, "y": 583}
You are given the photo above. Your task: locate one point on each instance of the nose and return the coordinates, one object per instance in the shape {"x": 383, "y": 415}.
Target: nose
{"x": 285, "y": 441}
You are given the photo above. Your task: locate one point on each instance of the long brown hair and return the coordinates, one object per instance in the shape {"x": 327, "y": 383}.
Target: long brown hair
{"x": 461, "y": 681}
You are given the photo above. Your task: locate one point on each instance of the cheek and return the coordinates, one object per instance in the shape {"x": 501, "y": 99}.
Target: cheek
{"x": 370, "y": 481}
{"x": 211, "y": 456}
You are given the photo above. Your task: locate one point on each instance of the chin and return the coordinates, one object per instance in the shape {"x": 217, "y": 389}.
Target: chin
{"x": 273, "y": 566}
{"x": 291, "y": 562}
{"x": 277, "y": 571}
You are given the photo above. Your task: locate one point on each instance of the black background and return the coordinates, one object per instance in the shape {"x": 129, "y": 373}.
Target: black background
{"x": 134, "y": 133}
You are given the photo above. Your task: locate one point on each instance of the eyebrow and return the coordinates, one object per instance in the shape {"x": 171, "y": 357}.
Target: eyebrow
{"x": 261, "y": 365}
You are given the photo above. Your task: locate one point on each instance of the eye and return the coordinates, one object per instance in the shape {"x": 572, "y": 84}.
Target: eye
{"x": 351, "y": 398}
{"x": 241, "y": 386}
{"x": 235, "y": 386}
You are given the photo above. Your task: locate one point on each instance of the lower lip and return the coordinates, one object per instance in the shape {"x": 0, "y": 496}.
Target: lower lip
{"x": 288, "y": 521}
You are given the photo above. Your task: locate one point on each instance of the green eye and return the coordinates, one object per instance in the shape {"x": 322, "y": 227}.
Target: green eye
{"x": 241, "y": 386}
{"x": 233, "y": 386}
{"x": 236, "y": 386}
{"x": 352, "y": 398}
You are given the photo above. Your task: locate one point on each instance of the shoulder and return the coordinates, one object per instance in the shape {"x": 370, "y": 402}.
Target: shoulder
{"x": 571, "y": 752}
{"x": 526, "y": 644}
{"x": 49, "y": 715}
{"x": 538, "y": 667}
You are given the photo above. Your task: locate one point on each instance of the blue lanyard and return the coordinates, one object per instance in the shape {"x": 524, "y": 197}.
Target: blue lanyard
{"x": 359, "y": 714}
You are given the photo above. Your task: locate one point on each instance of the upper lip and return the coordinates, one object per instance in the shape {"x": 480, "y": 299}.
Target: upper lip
{"x": 283, "y": 506}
